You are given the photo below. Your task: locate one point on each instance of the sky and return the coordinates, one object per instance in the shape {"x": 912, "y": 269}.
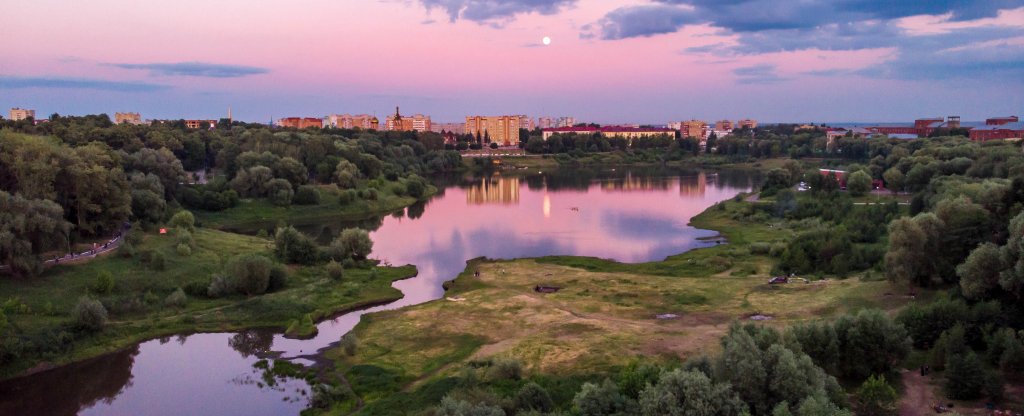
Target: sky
{"x": 609, "y": 61}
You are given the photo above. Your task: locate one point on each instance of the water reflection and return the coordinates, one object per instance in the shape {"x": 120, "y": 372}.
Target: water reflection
{"x": 581, "y": 212}
{"x": 494, "y": 190}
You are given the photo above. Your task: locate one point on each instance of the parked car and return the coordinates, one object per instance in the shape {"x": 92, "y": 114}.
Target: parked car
{"x": 778, "y": 280}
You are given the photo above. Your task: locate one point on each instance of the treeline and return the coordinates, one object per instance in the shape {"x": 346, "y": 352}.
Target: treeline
{"x": 102, "y": 175}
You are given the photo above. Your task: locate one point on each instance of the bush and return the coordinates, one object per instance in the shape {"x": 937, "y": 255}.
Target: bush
{"x": 533, "y": 397}
{"x": 505, "y": 369}
{"x": 126, "y": 250}
{"x": 176, "y": 299}
{"x": 184, "y": 237}
{"x": 306, "y": 195}
{"x": 292, "y": 246}
{"x": 965, "y": 376}
{"x": 349, "y": 343}
{"x": 196, "y": 288}
{"x": 104, "y": 283}
{"x": 183, "y": 250}
{"x": 249, "y": 273}
{"x": 335, "y": 271}
{"x": 875, "y": 397}
{"x": 220, "y": 286}
{"x": 351, "y": 243}
{"x": 89, "y": 314}
{"x": 183, "y": 220}
{"x": 278, "y": 278}
{"x": 415, "y": 187}
{"x": 760, "y": 249}
{"x": 157, "y": 261}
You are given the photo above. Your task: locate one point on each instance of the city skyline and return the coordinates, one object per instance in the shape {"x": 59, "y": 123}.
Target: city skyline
{"x": 608, "y": 61}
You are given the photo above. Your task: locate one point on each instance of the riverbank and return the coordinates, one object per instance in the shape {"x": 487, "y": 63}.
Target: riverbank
{"x": 581, "y": 317}
{"x": 253, "y": 213}
{"x": 140, "y": 307}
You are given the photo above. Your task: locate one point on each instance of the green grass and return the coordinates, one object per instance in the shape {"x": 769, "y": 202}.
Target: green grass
{"x": 259, "y": 212}
{"x": 136, "y": 304}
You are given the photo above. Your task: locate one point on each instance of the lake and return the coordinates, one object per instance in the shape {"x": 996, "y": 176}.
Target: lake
{"x": 626, "y": 215}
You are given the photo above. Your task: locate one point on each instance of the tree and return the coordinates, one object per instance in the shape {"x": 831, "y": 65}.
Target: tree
{"x": 875, "y": 397}
{"x": 147, "y": 193}
{"x": 912, "y": 242}
{"x": 859, "y": 183}
{"x": 454, "y": 407}
{"x": 979, "y": 274}
{"x": 602, "y": 399}
{"x": 351, "y": 243}
{"x": 279, "y": 192}
{"x": 250, "y": 273}
{"x": 89, "y": 314}
{"x": 870, "y": 343}
{"x": 689, "y": 393}
{"x": 965, "y": 376}
{"x": 27, "y": 229}
{"x": 292, "y": 171}
{"x": 894, "y": 179}
{"x": 306, "y": 195}
{"x": 183, "y": 220}
{"x": 346, "y": 174}
{"x": 292, "y": 246}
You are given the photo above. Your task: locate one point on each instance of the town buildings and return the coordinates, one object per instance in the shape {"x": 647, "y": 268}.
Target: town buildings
{"x": 746, "y": 124}
{"x": 127, "y": 118}
{"x": 723, "y": 125}
{"x": 200, "y": 124}
{"x": 456, "y": 128}
{"x": 525, "y": 122}
{"x": 694, "y": 128}
{"x": 398, "y": 122}
{"x": 628, "y": 133}
{"x": 17, "y": 114}
{"x": 348, "y": 121}
{"x": 301, "y": 122}
{"x": 503, "y": 130}
{"x": 1002, "y": 130}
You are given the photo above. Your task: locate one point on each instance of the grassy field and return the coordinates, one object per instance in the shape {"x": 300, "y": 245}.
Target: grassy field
{"x": 136, "y": 304}
{"x": 256, "y": 212}
{"x": 604, "y": 316}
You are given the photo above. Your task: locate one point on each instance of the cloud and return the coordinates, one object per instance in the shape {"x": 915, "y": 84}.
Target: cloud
{"x": 758, "y": 74}
{"x": 13, "y": 82}
{"x": 644, "y": 20}
{"x": 196, "y": 69}
{"x": 490, "y": 11}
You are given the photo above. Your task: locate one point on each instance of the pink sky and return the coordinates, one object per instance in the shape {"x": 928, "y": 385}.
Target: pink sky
{"x": 325, "y": 57}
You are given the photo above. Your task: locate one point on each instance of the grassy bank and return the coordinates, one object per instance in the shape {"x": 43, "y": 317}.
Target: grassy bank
{"x": 139, "y": 307}
{"x": 257, "y": 212}
{"x": 604, "y": 315}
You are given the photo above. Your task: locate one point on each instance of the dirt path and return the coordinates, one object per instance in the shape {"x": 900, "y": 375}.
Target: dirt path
{"x": 918, "y": 395}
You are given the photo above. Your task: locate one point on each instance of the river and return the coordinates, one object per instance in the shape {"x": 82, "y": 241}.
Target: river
{"x": 626, "y": 215}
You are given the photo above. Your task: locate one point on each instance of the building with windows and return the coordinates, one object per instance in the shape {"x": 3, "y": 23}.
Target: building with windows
{"x": 127, "y": 118}
{"x": 17, "y": 114}
{"x": 746, "y": 124}
{"x": 525, "y": 122}
{"x": 694, "y": 128}
{"x": 503, "y": 130}
{"x": 723, "y": 125}
{"x": 999, "y": 121}
{"x": 201, "y": 124}
{"x": 626, "y": 132}
{"x": 301, "y": 122}
{"x": 348, "y": 121}
{"x": 456, "y": 128}
{"x": 1009, "y": 130}
{"x": 398, "y": 122}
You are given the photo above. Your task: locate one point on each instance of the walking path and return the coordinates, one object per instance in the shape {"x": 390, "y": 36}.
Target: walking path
{"x": 85, "y": 256}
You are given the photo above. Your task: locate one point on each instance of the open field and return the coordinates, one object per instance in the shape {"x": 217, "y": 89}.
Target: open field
{"x": 604, "y": 316}
{"x": 137, "y": 302}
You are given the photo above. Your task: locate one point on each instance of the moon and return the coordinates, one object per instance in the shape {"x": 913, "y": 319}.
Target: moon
{"x": 546, "y": 41}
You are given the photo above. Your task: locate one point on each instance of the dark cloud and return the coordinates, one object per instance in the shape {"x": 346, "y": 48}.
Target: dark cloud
{"x": 488, "y": 11}
{"x": 758, "y": 74}
{"x": 12, "y": 82}
{"x": 196, "y": 69}
{"x": 644, "y": 20}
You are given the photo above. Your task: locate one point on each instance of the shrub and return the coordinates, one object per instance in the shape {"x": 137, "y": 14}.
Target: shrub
{"x": 183, "y": 220}
{"x": 505, "y": 369}
{"x": 875, "y": 397}
{"x": 415, "y": 187}
{"x": 126, "y": 250}
{"x": 278, "y": 278}
{"x": 157, "y": 261}
{"x": 351, "y": 243}
{"x": 184, "y": 250}
{"x": 335, "y": 271}
{"x": 292, "y": 246}
{"x": 279, "y": 192}
{"x": 760, "y": 249}
{"x": 220, "y": 286}
{"x": 104, "y": 283}
{"x": 249, "y": 273}
{"x": 371, "y": 194}
{"x": 965, "y": 376}
{"x": 347, "y": 196}
{"x": 306, "y": 195}
{"x": 349, "y": 343}
{"x": 196, "y": 288}
{"x": 324, "y": 395}
{"x": 176, "y": 299}
{"x": 89, "y": 314}
{"x": 533, "y": 397}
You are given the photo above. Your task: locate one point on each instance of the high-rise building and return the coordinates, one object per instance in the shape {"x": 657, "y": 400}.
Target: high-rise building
{"x": 545, "y": 122}
{"x": 127, "y": 118}
{"x": 746, "y": 124}
{"x": 17, "y": 114}
{"x": 525, "y": 122}
{"x": 694, "y": 128}
{"x": 455, "y": 128}
{"x": 197, "y": 124}
{"x": 723, "y": 125}
{"x": 398, "y": 122}
{"x": 565, "y": 121}
{"x": 503, "y": 130}
{"x": 358, "y": 121}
